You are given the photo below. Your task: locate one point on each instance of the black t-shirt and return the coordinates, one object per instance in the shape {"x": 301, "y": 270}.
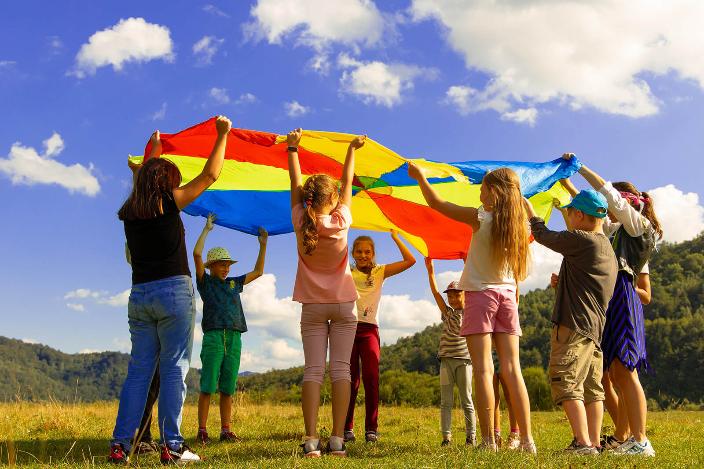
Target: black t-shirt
{"x": 157, "y": 245}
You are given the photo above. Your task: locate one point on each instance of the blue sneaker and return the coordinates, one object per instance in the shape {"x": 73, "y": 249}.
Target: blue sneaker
{"x": 633, "y": 447}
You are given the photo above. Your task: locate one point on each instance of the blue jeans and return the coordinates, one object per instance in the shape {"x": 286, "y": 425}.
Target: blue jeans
{"x": 161, "y": 319}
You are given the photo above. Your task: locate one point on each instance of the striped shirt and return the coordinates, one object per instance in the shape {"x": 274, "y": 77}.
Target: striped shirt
{"x": 452, "y": 344}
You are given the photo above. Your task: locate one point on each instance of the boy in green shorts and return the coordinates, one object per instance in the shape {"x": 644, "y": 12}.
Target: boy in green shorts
{"x": 223, "y": 323}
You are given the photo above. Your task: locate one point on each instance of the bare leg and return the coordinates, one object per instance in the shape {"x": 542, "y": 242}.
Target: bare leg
{"x": 507, "y": 349}
{"x": 631, "y": 392}
{"x": 480, "y": 350}
{"x": 595, "y": 416}
{"x": 497, "y": 402}
{"x": 577, "y": 416}
{"x": 310, "y": 401}
{"x": 511, "y": 414}
{"x": 203, "y": 405}
{"x": 225, "y": 410}
{"x": 341, "y": 391}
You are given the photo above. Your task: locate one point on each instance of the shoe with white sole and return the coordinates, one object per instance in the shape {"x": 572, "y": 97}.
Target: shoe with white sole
{"x": 180, "y": 456}
{"x": 581, "y": 450}
{"x": 529, "y": 448}
{"x": 634, "y": 448}
{"x": 312, "y": 448}
{"x": 513, "y": 441}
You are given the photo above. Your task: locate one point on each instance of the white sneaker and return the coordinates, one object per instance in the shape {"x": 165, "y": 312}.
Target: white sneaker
{"x": 513, "y": 441}
{"x": 529, "y": 448}
{"x": 633, "y": 447}
{"x": 180, "y": 456}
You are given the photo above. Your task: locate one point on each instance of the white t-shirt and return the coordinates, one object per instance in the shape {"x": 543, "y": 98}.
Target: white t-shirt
{"x": 480, "y": 271}
{"x": 369, "y": 289}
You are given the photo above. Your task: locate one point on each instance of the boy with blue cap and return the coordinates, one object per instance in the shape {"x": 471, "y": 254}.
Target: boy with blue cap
{"x": 583, "y": 290}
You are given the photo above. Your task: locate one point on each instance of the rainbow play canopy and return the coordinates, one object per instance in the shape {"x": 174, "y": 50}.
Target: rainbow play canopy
{"x": 253, "y": 188}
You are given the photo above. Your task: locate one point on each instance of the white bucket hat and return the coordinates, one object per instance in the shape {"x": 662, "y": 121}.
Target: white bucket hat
{"x": 218, "y": 254}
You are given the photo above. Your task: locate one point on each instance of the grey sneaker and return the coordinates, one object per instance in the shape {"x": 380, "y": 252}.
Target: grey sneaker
{"x": 312, "y": 448}
{"x": 580, "y": 450}
{"x": 371, "y": 437}
{"x": 349, "y": 436}
{"x": 610, "y": 443}
{"x": 529, "y": 448}
{"x": 632, "y": 447}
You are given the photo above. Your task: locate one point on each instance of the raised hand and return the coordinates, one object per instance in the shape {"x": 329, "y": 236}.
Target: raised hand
{"x": 358, "y": 141}
{"x": 554, "y": 278}
{"x": 567, "y": 156}
{"x": 414, "y": 171}
{"x": 209, "y": 221}
{"x": 263, "y": 236}
{"x": 293, "y": 138}
{"x": 429, "y": 265}
{"x": 223, "y": 125}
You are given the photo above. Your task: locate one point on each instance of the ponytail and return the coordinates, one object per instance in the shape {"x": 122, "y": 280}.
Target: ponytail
{"x": 309, "y": 231}
{"x": 317, "y": 192}
{"x": 649, "y": 213}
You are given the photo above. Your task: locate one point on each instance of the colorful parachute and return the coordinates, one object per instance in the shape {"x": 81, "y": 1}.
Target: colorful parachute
{"x": 253, "y": 188}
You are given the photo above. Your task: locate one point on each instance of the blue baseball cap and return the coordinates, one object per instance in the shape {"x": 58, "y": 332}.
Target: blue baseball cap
{"x": 590, "y": 202}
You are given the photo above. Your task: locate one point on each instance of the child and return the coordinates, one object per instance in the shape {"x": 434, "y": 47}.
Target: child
{"x": 634, "y": 229}
{"x": 321, "y": 217}
{"x": 455, "y": 363}
{"x": 514, "y": 436}
{"x": 223, "y": 324}
{"x": 497, "y": 261}
{"x": 585, "y": 285}
{"x": 369, "y": 278}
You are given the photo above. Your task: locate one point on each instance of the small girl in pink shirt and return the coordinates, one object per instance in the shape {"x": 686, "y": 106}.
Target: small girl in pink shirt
{"x": 321, "y": 218}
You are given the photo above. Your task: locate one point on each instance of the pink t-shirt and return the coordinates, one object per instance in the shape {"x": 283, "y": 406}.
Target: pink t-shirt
{"x": 324, "y": 276}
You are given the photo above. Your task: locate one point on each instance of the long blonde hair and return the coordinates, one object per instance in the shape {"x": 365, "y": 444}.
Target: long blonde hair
{"x": 509, "y": 230}
{"x": 317, "y": 192}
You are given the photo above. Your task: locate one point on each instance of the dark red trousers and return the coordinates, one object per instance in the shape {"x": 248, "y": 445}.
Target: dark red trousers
{"x": 366, "y": 349}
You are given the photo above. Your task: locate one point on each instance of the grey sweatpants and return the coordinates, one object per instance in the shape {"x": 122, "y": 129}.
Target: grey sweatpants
{"x": 456, "y": 371}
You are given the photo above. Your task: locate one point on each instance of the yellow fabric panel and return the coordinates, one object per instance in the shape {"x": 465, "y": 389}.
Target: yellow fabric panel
{"x": 366, "y": 215}
{"x": 460, "y": 193}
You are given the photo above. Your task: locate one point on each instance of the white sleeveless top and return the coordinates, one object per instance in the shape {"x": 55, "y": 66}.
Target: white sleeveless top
{"x": 480, "y": 271}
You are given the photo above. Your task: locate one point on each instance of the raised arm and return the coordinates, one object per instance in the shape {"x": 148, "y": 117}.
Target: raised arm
{"x": 439, "y": 300}
{"x": 408, "y": 260}
{"x": 294, "y": 167}
{"x": 594, "y": 180}
{"x": 558, "y": 206}
{"x": 569, "y": 187}
{"x": 259, "y": 265}
{"x": 348, "y": 170}
{"x": 211, "y": 171}
{"x": 643, "y": 288}
{"x": 467, "y": 215}
{"x": 198, "y": 248}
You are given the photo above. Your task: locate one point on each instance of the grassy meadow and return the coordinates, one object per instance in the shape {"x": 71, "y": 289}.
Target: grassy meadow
{"x": 55, "y": 434}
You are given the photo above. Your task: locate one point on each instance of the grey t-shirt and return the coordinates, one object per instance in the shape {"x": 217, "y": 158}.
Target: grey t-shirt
{"x": 587, "y": 277}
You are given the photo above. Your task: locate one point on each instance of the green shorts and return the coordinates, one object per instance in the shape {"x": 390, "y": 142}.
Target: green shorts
{"x": 220, "y": 358}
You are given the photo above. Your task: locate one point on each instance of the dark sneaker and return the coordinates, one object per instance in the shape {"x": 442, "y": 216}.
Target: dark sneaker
{"x": 610, "y": 443}
{"x": 202, "y": 437}
{"x": 371, "y": 437}
{"x": 580, "y": 450}
{"x": 146, "y": 447}
{"x": 445, "y": 442}
{"x": 229, "y": 436}
{"x": 118, "y": 455}
{"x": 179, "y": 457}
{"x": 342, "y": 452}
{"x": 312, "y": 448}
{"x": 349, "y": 436}
{"x": 470, "y": 441}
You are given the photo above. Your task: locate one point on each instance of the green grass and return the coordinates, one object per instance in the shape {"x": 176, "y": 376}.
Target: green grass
{"x": 76, "y": 435}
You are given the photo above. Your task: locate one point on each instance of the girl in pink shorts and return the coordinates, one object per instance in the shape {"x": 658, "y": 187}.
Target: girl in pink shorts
{"x": 497, "y": 261}
{"x": 321, "y": 217}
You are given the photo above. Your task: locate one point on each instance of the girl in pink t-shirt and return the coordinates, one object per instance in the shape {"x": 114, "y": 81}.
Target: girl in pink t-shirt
{"x": 321, "y": 217}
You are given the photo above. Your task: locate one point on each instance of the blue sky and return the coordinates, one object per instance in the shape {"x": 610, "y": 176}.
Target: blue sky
{"x": 618, "y": 85}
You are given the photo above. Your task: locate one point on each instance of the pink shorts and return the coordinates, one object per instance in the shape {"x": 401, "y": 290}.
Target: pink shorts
{"x": 491, "y": 310}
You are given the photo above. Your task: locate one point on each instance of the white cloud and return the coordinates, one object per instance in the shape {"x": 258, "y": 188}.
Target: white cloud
{"x": 399, "y": 316}
{"x": 215, "y": 11}
{"x": 377, "y": 82}
{"x": 89, "y": 350}
{"x": 82, "y": 293}
{"x": 598, "y": 53}
{"x": 130, "y": 40}
{"x": 246, "y": 98}
{"x": 681, "y": 214}
{"x": 28, "y": 340}
{"x": 468, "y": 100}
{"x": 206, "y": 48}
{"x": 280, "y": 317}
{"x": 119, "y": 300}
{"x": 219, "y": 95}
{"x": 76, "y": 307}
{"x": 24, "y": 165}
{"x": 282, "y": 351}
{"x": 7, "y": 64}
{"x": 522, "y": 116}
{"x": 122, "y": 345}
{"x": 161, "y": 113}
{"x": 544, "y": 263}
{"x": 272, "y": 354}
{"x": 56, "y": 46}
{"x": 316, "y": 23}
{"x": 295, "y": 109}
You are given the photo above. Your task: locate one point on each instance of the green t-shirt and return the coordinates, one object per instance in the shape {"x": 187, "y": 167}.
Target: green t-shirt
{"x": 222, "y": 307}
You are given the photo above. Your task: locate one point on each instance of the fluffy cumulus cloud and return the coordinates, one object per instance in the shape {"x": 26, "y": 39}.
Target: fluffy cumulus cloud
{"x": 246, "y": 98}
{"x": 599, "y": 54}
{"x": 160, "y": 114}
{"x": 400, "y": 316}
{"x": 25, "y": 165}
{"x": 681, "y": 214}
{"x": 280, "y": 317}
{"x": 295, "y": 109}
{"x": 316, "y": 23}
{"x": 377, "y": 82}
{"x": 205, "y": 49}
{"x": 130, "y": 40}
{"x": 215, "y": 11}
{"x": 219, "y": 95}
{"x": 80, "y": 297}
